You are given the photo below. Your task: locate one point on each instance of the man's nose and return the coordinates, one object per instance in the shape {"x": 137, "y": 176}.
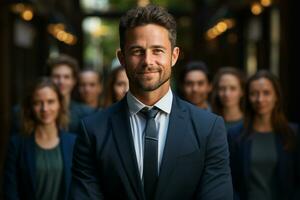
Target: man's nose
{"x": 148, "y": 58}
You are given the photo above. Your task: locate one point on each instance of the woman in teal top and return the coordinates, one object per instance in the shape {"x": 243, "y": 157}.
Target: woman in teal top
{"x": 227, "y": 95}
{"x": 38, "y": 164}
{"x": 263, "y": 150}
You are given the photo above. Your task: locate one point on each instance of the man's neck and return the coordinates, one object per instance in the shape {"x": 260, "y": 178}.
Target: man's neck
{"x": 149, "y": 98}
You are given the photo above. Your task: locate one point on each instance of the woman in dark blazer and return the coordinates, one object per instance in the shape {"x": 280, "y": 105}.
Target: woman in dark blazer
{"x": 38, "y": 163}
{"x": 263, "y": 149}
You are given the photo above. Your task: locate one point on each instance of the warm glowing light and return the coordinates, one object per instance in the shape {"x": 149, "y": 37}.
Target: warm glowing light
{"x": 229, "y": 22}
{"x": 61, "y": 35}
{"x": 60, "y": 26}
{"x": 58, "y": 31}
{"x": 215, "y": 31}
{"x": 27, "y": 15}
{"x": 266, "y": 3}
{"x": 210, "y": 35}
{"x": 69, "y": 38}
{"x": 256, "y": 9}
{"x": 221, "y": 27}
{"x": 143, "y": 2}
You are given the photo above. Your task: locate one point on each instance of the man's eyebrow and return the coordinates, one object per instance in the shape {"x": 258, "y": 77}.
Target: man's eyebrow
{"x": 157, "y": 47}
{"x": 152, "y": 47}
{"x": 135, "y": 47}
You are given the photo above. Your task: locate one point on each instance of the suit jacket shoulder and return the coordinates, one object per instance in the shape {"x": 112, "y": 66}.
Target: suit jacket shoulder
{"x": 202, "y": 119}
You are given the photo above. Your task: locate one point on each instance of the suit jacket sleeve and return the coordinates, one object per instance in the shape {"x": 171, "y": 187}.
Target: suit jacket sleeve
{"x": 10, "y": 185}
{"x": 85, "y": 184}
{"x": 216, "y": 182}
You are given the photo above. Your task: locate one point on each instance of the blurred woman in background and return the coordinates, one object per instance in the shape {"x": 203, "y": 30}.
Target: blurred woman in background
{"x": 262, "y": 149}
{"x": 227, "y": 95}
{"x": 117, "y": 86}
{"x": 38, "y": 163}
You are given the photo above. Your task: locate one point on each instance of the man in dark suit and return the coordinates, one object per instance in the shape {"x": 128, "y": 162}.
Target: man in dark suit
{"x": 151, "y": 144}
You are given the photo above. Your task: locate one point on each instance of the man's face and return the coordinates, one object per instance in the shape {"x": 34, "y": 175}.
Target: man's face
{"x": 148, "y": 58}
{"x": 63, "y": 77}
{"x": 90, "y": 87}
{"x": 196, "y": 87}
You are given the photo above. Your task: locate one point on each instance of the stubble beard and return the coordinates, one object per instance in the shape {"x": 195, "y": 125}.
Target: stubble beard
{"x": 151, "y": 87}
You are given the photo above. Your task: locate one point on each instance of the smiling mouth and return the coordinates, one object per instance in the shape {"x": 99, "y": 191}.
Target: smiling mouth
{"x": 148, "y": 72}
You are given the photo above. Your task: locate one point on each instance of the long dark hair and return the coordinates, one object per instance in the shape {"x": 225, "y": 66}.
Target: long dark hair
{"x": 110, "y": 95}
{"x": 279, "y": 121}
{"x": 216, "y": 104}
{"x": 28, "y": 118}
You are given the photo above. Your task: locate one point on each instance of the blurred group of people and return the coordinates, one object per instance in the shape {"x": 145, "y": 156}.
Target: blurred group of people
{"x": 263, "y": 145}
{"x": 44, "y": 126}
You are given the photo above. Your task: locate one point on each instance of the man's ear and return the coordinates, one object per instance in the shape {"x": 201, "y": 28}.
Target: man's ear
{"x": 121, "y": 57}
{"x": 175, "y": 55}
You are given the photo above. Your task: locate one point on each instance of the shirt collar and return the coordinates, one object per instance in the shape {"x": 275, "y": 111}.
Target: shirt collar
{"x": 163, "y": 104}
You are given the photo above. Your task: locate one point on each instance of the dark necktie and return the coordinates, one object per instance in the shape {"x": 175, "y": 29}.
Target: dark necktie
{"x": 150, "y": 173}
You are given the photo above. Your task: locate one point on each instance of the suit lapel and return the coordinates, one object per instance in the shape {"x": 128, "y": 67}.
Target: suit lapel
{"x": 123, "y": 137}
{"x": 175, "y": 138}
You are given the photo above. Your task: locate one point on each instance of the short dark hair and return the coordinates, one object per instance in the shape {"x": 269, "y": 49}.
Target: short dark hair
{"x": 110, "y": 96}
{"x": 63, "y": 59}
{"x": 150, "y": 14}
{"x": 90, "y": 69}
{"x": 195, "y": 66}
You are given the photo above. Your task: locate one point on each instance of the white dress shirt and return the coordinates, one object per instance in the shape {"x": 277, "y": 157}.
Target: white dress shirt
{"x": 138, "y": 125}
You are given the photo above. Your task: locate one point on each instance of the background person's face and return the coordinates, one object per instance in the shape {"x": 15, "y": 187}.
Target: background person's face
{"x": 229, "y": 90}
{"x": 196, "y": 87}
{"x": 46, "y": 106}
{"x": 121, "y": 85}
{"x": 262, "y": 96}
{"x": 89, "y": 86}
{"x": 148, "y": 57}
{"x": 63, "y": 77}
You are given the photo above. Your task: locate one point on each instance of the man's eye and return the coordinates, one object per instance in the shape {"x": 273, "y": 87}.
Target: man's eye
{"x": 137, "y": 52}
{"x": 157, "y": 51}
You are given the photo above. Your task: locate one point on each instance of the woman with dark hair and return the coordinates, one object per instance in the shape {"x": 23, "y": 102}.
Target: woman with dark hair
{"x": 117, "y": 86}
{"x": 38, "y": 163}
{"x": 262, "y": 149}
{"x": 227, "y": 95}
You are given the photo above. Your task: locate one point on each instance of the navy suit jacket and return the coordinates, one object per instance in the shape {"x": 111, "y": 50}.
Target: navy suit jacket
{"x": 195, "y": 163}
{"x": 19, "y": 171}
{"x": 287, "y": 170}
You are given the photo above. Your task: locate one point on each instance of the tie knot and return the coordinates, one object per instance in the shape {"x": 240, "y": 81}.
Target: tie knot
{"x": 150, "y": 113}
